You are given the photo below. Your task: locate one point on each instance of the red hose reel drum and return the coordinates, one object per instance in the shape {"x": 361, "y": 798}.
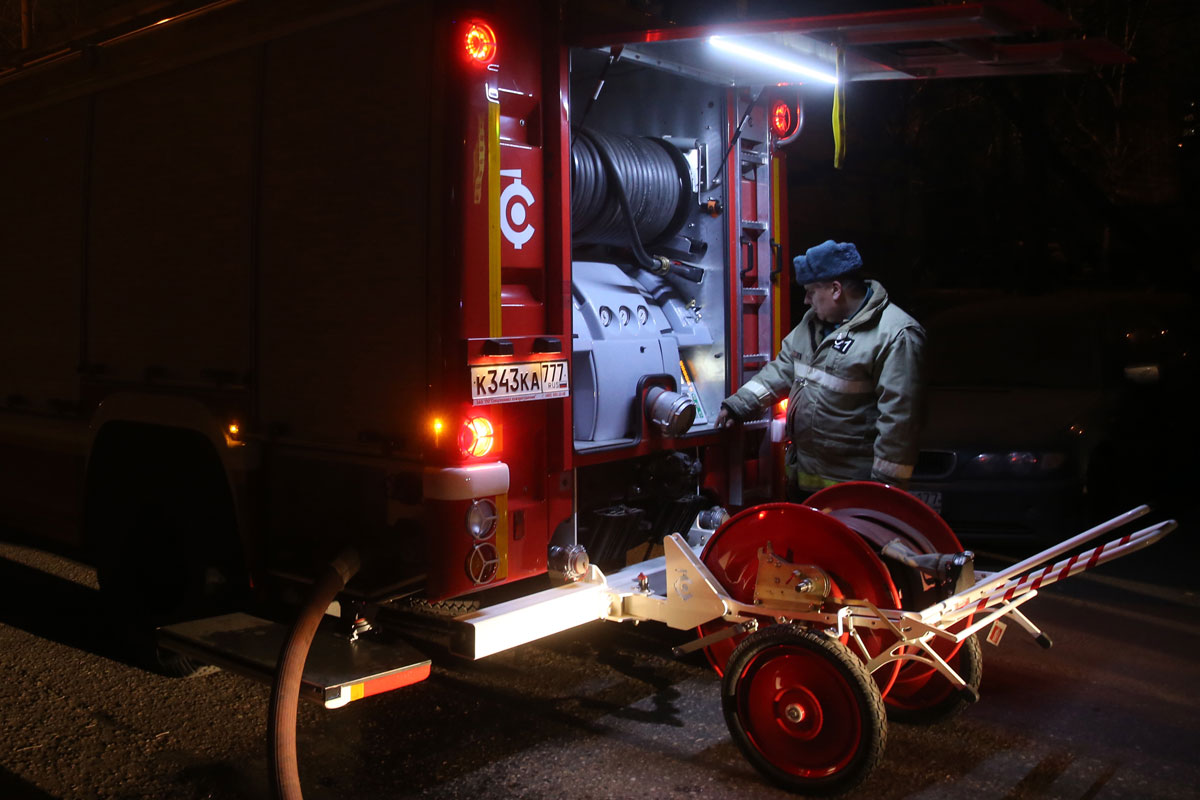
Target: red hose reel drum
{"x": 868, "y": 500}
{"x": 800, "y": 535}
{"x": 880, "y": 513}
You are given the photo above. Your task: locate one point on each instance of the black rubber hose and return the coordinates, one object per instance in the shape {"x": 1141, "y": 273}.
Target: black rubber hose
{"x": 649, "y": 173}
{"x": 644, "y": 260}
{"x": 285, "y": 691}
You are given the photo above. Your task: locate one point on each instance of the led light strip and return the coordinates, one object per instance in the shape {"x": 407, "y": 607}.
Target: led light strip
{"x": 750, "y": 54}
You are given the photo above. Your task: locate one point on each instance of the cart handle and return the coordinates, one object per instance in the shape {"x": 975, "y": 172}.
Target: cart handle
{"x": 997, "y": 579}
{"x": 976, "y": 601}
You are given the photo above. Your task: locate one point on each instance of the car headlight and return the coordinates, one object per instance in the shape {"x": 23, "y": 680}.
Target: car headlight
{"x": 986, "y": 463}
{"x": 1022, "y": 462}
{"x": 1016, "y": 462}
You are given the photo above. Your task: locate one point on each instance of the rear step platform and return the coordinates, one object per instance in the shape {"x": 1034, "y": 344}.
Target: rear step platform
{"x": 336, "y": 672}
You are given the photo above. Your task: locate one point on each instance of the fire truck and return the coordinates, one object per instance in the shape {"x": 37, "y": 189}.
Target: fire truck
{"x": 458, "y": 290}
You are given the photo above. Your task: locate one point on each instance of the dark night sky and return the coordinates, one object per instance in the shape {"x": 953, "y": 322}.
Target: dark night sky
{"x": 1021, "y": 183}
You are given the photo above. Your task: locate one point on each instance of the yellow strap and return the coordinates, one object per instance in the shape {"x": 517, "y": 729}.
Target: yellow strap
{"x": 493, "y": 178}
{"x": 839, "y": 110}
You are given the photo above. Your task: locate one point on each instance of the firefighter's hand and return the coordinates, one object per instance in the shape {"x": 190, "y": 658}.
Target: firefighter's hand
{"x": 725, "y": 419}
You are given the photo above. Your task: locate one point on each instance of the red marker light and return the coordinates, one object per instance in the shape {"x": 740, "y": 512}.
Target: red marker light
{"x": 477, "y": 437}
{"x": 781, "y": 119}
{"x": 480, "y": 42}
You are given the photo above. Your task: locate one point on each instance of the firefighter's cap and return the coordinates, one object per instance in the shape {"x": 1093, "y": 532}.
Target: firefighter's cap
{"x": 827, "y": 261}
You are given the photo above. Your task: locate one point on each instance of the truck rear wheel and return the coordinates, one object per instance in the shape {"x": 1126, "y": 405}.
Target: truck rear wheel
{"x": 162, "y": 527}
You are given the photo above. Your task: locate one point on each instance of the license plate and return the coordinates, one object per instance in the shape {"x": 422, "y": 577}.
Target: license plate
{"x": 931, "y": 499}
{"x": 515, "y": 383}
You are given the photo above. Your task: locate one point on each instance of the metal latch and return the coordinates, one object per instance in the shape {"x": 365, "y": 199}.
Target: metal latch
{"x": 793, "y": 587}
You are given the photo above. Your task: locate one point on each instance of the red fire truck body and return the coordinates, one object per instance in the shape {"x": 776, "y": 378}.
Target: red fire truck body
{"x": 281, "y": 279}
{"x": 344, "y": 237}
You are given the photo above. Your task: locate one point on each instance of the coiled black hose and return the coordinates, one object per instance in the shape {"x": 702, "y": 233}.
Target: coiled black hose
{"x": 653, "y": 176}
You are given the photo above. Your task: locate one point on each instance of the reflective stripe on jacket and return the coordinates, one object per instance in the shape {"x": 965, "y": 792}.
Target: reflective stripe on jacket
{"x": 854, "y": 396}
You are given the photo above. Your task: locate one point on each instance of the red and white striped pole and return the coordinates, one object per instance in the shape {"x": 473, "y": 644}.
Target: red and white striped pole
{"x": 994, "y": 582}
{"x": 1077, "y": 563}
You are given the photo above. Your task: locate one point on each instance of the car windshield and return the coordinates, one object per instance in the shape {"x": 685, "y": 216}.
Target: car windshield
{"x": 1061, "y": 341}
{"x": 968, "y": 348}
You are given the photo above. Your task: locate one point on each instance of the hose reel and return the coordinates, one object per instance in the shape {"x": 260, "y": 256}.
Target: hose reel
{"x": 626, "y": 190}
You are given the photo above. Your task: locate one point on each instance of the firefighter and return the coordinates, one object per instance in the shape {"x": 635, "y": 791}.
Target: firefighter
{"x": 851, "y": 371}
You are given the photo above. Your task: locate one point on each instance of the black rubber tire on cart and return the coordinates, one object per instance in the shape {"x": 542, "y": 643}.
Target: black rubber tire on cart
{"x": 803, "y": 710}
{"x": 934, "y": 699}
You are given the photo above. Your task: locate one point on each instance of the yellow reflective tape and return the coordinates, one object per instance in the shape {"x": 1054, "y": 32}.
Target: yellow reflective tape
{"x": 356, "y": 692}
{"x": 833, "y": 382}
{"x": 812, "y": 482}
{"x": 502, "y": 536}
{"x": 493, "y": 146}
{"x": 885, "y": 467}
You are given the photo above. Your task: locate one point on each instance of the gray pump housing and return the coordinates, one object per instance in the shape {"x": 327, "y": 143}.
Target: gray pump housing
{"x": 625, "y": 328}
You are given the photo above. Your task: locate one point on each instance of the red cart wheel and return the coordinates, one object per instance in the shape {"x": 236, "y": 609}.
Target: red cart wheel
{"x": 800, "y": 535}
{"x": 803, "y": 710}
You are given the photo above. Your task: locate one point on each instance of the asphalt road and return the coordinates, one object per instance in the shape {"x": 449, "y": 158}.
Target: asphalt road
{"x": 600, "y": 712}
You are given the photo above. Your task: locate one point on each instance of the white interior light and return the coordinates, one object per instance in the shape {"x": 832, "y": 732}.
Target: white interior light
{"x": 769, "y": 60}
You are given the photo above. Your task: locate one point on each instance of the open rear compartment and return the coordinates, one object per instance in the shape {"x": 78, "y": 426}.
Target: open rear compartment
{"x": 655, "y": 321}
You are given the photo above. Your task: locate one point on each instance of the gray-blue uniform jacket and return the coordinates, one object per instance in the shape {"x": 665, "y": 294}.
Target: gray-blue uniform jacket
{"x": 854, "y": 395}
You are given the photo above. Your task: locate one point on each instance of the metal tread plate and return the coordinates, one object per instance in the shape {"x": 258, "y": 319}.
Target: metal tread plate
{"x": 336, "y": 671}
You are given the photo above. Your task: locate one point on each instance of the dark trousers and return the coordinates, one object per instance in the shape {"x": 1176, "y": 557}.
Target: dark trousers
{"x": 795, "y": 494}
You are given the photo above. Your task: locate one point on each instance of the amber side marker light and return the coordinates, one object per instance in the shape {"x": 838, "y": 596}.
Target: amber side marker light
{"x": 480, "y": 42}
{"x": 233, "y": 434}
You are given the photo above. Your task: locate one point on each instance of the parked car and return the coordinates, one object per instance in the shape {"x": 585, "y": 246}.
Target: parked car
{"x": 1045, "y": 413}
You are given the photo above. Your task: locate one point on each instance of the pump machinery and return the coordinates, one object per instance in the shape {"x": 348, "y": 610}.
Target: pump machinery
{"x": 455, "y": 305}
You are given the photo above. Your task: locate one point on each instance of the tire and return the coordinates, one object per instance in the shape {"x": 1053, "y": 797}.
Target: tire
{"x": 803, "y": 710}
{"x": 150, "y": 579}
{"x": 162, "y": 528}
{"x": 922, "y": 696}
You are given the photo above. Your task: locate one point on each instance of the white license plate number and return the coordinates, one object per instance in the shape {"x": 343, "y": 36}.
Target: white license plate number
{"x": 931, "y": 499}
{"x": 515, "y": 383}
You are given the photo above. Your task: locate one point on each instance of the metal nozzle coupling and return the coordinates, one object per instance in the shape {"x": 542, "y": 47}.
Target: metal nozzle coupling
{"x": 672, "y": 412}
{"x": 662, "y": 265}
